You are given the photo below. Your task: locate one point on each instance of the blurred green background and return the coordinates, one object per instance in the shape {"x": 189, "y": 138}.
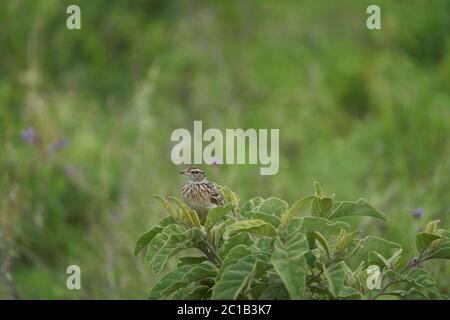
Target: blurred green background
{"x": 86, "y": 118}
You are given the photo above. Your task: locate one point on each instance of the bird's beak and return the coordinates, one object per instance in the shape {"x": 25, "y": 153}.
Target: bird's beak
{"x": 183, "y": 172}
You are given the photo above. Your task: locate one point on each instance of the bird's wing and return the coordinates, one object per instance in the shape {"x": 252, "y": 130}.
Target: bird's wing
{"x": 215, "y": 195}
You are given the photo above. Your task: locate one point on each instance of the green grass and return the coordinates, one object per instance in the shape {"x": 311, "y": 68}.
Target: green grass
{"x": 364, "y": 112}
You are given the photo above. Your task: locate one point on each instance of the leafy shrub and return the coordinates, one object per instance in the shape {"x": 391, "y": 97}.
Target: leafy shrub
{"x": 266, "y": 249}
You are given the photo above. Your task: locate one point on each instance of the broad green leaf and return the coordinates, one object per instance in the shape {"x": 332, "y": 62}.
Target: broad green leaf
{"x": 349, "y": 293}
{"x": 319, "y": 237}
{"x": 256, "y": 290}
{"x": 293, "y": 210}
{"x": 269, "y": 218}
{"x": 171, "y": 210}
{"x": 321, "y": 207}
{"x": 175, "y": 243}
{"x": 289, "y": 261}
{"x": 442, "y": 250}
{"x": 377, "y": 259}
{"x": 234, "y": 256}
{"x": 273, "y": 206}
{"x": 359, "y": 208}
{"x": 344, "y": 240}
{"x": 393, "y": 260}
{"x": 275, "y": 290}
{"x": 166, "y": 281}
{"x": 183, "y": 261}
{"x": 424, "y": 239}
{"x": 145, "y": 238}
{"x": 256, "y": 226}
{"x": 195, "y": 274}
{"x": 432, "y": 226}
{"x": 216, "y": 233}
{"x": 415, "y": 294}
{"x": 235, "y": 280}
{"x": 190, "y": 216}
{"x": 423, "y": 280}
{"x": 310, "y": 259}
{"x": 335, "y": 276}
{"x": 195, "y": 292}
{"x": 372, "y": 243}
{"x": 240, "y": 238}
{"x": 215, "y": 214}
{"x": 229, "y": 196}
{"x": 264, "y": 245}
{"x": 251, "y": 204}
{"x": 322, "y": 225}
{"x": 159, "y": 240}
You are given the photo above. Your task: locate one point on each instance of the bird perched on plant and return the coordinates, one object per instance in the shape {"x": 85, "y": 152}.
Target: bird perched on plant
{"x": 200, "y": 194}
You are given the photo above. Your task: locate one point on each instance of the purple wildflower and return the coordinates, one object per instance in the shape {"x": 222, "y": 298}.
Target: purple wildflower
{"x": 69, "y": 170}
{"x": 58, "y": 145}
{"x": 215, "y": 161}
{"x": 29, "y": 135}
{"x": 417, "y": 213}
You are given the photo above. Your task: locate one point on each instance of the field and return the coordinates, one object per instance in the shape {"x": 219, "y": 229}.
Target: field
{"x": 86, "y": 118}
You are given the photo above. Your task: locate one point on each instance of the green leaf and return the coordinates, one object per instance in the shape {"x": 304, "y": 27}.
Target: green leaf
{"x": 319, "y": 237}
{"x": 344, "y": 240}
{"x": 424, "y": 239}
{"x": 273, "y": 206}
{"x": 195, "y": 292}
{"x": 214, "y": 235}
{"x": 240, "y": 238}
{"x": 251, "y": 204}
{"x": 187, "y": 214}
{"x": 421, "y": 279}
{"x": 234, "y": 256}
{"x": 335, "y": 276}
{"x": 372, "y": 243}
{"x": 175, "y": 243}
{"x": 321, "y": 207}
{"x": 432, "y": 226}
{"x": 359, "y": 208}
{"x": 442, "y": 251}
{"x": 264, "y": 245}
{"x": 196, "y": 273}
{"x": 377, "y": 259}
{"x": 166, "y": 281}
{"x": 236, "y": 279}
{"x": 183, "y": 261}
{"x": 256, "y": 226}
{"x": 215, "y": 214}
{"x": 269, "y": 218}
{"x": 322, "y": 225}
{"x": 145, "y": 238}
{"x": 168, "y": 206}
{"x": 349, "y": 293}
{"x": 229, "y": 196}
{"x": 393, "y": 260}
{"x": 159, "y": 240}
{"x": 289, "y": 261}
{"x": 293, "y": 210}
{"x": 414, "y": 294}
{"x": 275, "y": 290}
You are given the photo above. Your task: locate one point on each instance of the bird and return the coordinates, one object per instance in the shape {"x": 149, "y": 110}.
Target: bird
{"x": 200, "y": 194}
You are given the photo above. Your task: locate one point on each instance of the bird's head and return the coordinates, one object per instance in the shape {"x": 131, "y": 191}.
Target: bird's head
{"x": 194, "y": 174}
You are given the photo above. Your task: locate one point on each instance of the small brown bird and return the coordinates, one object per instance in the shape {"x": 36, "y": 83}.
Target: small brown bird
{"x": 200, "y": 194}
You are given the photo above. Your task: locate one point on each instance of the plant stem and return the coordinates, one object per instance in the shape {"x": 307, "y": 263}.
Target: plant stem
{"x": 411, "y": 264}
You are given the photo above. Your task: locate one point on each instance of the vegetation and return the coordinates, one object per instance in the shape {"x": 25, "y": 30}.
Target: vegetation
{"x": 262, "y": 250}
{"x": 86, "y": 118}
